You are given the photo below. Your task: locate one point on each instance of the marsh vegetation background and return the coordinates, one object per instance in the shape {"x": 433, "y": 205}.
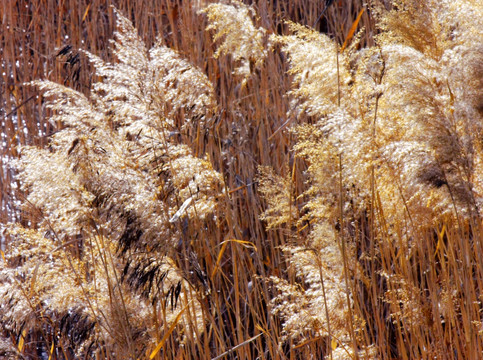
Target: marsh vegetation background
{"x": 260, "y": 180}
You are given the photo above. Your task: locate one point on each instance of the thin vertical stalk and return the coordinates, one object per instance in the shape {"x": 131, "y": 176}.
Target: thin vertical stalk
{"x": 341, "y": 222}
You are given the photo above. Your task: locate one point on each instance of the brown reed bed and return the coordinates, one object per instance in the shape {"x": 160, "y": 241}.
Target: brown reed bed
{"x": 312, "y": 252}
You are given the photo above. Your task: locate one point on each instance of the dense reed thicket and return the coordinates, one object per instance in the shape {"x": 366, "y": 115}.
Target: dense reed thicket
{"x": 240, "y": 181}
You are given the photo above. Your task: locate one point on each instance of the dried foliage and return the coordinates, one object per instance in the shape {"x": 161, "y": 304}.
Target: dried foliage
{"x": 115, "y": 194}
{"x": 324, "y": 202}
{"x": 239, "y": 37}
{"x": 392, "y": 158}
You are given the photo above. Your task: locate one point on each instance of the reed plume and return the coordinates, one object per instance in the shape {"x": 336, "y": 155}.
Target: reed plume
{"x": 115, "y": 195}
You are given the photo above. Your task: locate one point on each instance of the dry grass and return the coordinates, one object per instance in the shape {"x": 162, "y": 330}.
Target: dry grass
{"x": 317, "y": 204}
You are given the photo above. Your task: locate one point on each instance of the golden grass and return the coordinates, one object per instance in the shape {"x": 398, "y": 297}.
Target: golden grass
{"x": 398, "y": 282}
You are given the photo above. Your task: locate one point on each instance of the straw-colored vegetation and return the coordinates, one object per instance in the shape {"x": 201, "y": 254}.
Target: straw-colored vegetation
{"x": 223, "y": 180}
